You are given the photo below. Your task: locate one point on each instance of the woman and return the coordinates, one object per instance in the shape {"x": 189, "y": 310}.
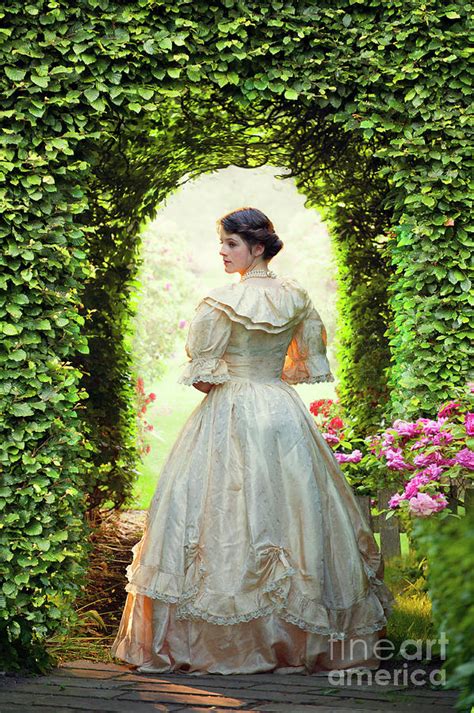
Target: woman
{"x": 255, "y": 555}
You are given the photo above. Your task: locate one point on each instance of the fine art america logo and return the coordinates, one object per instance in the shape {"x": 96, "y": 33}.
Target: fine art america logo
{"x": 373, "y": 655}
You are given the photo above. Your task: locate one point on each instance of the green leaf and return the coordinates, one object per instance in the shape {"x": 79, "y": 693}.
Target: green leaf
{"x": 91, "y": 94}
{"x": 61, "y": 144}
{"x": 15, "y": 74}
{"x": 193, "y": 73}
{"x": 165, "y": 44}
{"x": 145, "y": 93}
{"x": 99, "y": 105}
{"x": 149, "y": 46}
{"x": 9, "y": 329}
{"x": 14, "y": 311}
{"x": 40, "y": 81}
{"x": 21, "y": 409}
{"x": 43, "y": 324}
{"x": 455, "y": 276}
{"x": 18, "y": 355}
{"x": 9, "y": 588}
{"x": 34, "y": 529}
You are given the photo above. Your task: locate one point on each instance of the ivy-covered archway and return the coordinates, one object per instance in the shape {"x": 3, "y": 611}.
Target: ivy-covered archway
{"x": 109, "y": 106}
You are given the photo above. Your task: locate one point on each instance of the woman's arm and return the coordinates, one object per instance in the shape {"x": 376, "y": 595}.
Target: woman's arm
{"x": 203, "y": 386}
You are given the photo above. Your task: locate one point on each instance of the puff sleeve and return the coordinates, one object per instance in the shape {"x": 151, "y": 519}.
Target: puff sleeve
{"x": 306, "y": 360}
{"x": 208, "y": 335}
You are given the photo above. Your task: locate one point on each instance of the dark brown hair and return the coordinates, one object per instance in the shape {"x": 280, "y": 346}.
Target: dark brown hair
{"x": 254, "y": 227}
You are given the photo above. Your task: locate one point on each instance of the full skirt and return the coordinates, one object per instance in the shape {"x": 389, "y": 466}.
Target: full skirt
{"x": 255, "y": 555}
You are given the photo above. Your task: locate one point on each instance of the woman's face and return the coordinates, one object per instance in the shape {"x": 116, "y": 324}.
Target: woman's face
{"x": 236, "y": 254}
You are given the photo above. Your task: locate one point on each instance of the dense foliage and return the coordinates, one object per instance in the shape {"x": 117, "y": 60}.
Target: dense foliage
{"x": 450, "y": 548}
{"x": 108, "y": 106}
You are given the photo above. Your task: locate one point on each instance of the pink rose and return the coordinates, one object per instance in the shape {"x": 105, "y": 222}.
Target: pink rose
{"x": 330, "y": 438}
{"x": 411, "y": 488}
{"x": 465, "y": 457}
{"x": 433, "y": 471}
{"x": 423, "y": 504}
{"x": 420, "y": 443}
{"x": 425, "y": 459}
{"x": 469, "y": 423}
{"x": 395, "y": 500}
{"x": 406, "y": 428}
{"x": 431, "y": 427}
{"x": 448, "y": 409}
{"x": 395, "y": 460}
{"x": 353, "y": 457}
{"x": 442, "y": 438}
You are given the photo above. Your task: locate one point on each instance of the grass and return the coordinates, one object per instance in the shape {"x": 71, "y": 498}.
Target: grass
{"x": 411, "y": 618}
{"x": 174, "y": 404}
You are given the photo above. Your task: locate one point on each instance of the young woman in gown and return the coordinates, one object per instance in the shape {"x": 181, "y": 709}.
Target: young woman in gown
{"x": 255, "y": 555}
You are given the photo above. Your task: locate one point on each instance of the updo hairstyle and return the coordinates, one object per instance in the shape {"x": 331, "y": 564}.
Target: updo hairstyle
{"x": 253, "y": 227}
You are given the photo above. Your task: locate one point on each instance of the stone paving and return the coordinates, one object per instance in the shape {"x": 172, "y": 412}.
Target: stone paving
{"x": 111, "y": 688}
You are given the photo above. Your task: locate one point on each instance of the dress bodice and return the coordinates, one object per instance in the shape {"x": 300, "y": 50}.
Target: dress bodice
{"x": 259, "y": 333}
{"x": 256, "y": 354}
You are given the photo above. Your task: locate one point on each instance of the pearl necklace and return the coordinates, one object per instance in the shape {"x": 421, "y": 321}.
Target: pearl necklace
{"x": 258, "y": 272}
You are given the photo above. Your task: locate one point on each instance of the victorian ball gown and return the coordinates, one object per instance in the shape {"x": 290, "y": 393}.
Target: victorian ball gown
{"x": 255, "y": 555}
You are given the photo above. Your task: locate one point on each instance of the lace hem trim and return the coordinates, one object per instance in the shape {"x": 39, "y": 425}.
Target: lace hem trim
{"x": 190, "y": 612}
{"x": 185, "y": 610}
{"x": 283, "y": 597}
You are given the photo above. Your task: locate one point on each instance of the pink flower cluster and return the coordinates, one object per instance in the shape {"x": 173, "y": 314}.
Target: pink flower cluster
{"x": 431, "y": 451}
{"x": 353, "y": 457}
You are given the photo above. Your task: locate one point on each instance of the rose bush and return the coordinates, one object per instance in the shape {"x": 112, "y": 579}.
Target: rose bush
{"x": 432, "y": 459}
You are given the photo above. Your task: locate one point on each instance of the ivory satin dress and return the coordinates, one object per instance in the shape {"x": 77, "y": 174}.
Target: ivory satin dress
{"x": 255, "y": 555}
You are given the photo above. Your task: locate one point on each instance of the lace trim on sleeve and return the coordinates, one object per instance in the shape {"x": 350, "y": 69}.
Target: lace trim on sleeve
{"x": 211, "y": 370}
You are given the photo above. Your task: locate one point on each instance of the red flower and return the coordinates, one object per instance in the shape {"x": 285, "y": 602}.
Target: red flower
{"x": 321, "y": 406}
{"x": 336, "y": 423}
